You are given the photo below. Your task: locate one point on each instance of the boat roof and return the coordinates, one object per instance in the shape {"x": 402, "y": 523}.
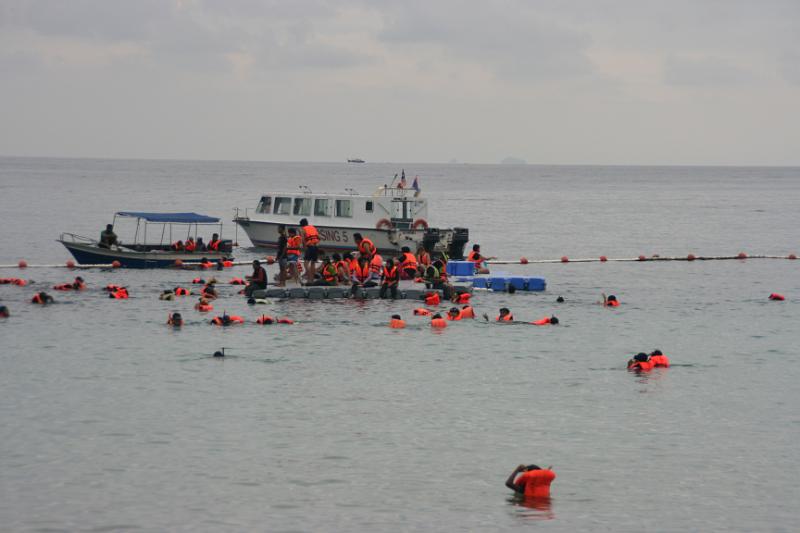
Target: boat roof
{"x": 177, "y": 218}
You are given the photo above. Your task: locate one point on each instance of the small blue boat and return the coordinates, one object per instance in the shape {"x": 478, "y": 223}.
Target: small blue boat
{"x": 141, "y": 253}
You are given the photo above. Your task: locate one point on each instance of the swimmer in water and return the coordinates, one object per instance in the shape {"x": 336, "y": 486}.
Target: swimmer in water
{"x": 4, "y": 313}
{"x": 560, "y": 299}
{"x": 42, "y": 298}
{"x": 610, "y": 301}
{"x": 504, "y": 316}
{"x": 640, "y": 363}
{"x": 175, "y": 320}
{"x": 167, "y": 295}
{"x": 533, "y": 483}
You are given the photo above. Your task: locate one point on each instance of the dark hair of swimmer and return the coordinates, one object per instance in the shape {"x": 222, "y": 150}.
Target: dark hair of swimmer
{"x": 437, "y": 315}
{"x": 612, "y": 298}
{"x": 176, "y": 316}
{"x": 532, "y": 467}
{"x": 357, "y": 236}
{"x": 554, "y": 320}
{"x": 504, "y": 311}
{"x": 396, "y": 317}
{"x": 656, "y": 352}
{"x": 476, "y": 247}
{"x": 251, "y": 301}
{"x": 641, "y": 356}
{"x": 511, "y": 289}
{"x": 79, "y": 279}
{"x": 560, "y": 299}
{"x": 405, "y": 250}
{"x": 304, "y": 222}
{"x": 453, "y": 311}
{"x": 4, "y": 311}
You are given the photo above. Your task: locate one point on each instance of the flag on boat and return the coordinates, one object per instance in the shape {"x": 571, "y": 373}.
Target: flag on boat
{"x": 403, "y": 183}
{"x": 415, "y": 185}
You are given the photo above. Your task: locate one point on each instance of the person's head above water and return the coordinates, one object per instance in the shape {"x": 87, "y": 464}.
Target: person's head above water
{"x": 256, "y": 263}
{"x": 303, "y": 222}
{"x": 656, "y": 352}
{"x": 396, "y": 317}
{"x": 437, "y": 315}
{"x": 641, "y": 357}
{"x": 453, "y": 311}
{"x": 612, "y": 298}
{"x": 476, "y": 247}
{"x": 504, "y": 311}
{"x": 560, "y": 299}
{"x": 554, "y": 320}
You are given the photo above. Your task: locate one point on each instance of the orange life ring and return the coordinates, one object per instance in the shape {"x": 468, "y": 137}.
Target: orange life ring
{"x": 384, "y": 223}
{"x": 420, "y": 222}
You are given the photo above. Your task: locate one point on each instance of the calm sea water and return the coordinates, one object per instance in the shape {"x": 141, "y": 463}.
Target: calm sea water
{"x": 112, "y": 421}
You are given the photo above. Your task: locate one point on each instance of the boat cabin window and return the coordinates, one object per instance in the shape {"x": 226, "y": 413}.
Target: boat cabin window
{"x": 265, "y": 205}
{"x": 343, "y": 208}
{"x": 321, "y": 207}
{"x": 302, "y": 206}
{"x": 369, "y": 207}
{"x": 282, "y": 205}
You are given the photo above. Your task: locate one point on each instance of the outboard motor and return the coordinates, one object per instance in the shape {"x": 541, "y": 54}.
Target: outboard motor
{"x": 430, "y": 239}
{"x": 460, "y": 240}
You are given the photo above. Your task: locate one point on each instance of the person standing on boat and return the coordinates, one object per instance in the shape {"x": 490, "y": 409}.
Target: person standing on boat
{"x": 258, "y": 281}
{"x": 310, "y": 241}
{"x": 108, "y": 237}
{"x": 366, "y": 248}
{"x": 280, "y": 257}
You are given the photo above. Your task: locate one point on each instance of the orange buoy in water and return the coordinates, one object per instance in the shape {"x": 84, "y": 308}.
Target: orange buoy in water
{"x": 742, "y": 255}
{"x": 178, "y": 263}
{"x": 792, "y": 256}
{"x": 564, "y": 259}
{"x": 116, "y": 264}
{"x": 523, "y": 260}
{"x": 603, "y": 258}
{"x": 70, "y": 264}
{"x": 22, "y": 263}
{"x": 690, "y": 257}
{"x": 776, "y": 296}
{"x": 270, "y": 260}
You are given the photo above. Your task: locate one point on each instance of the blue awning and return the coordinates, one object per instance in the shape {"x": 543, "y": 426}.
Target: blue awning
{"x": 177, "y": 218}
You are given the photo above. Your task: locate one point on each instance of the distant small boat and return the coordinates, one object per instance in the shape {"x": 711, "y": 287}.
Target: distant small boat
{"x": 355, "y": 160}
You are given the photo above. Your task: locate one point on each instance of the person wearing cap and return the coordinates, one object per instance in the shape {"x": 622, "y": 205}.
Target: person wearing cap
{"x": 258, "y": 280}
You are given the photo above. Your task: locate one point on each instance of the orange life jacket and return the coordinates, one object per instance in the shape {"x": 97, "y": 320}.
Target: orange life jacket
{"x": 227, "y": 263}
{"x": 438, "y": 323}
{"x": 198, "y": 280}
{"x": 311, "y": 234}
{"x": 376, "y": 264}
{"x": 343, "y": 265}
{"x": 180, "y": 291}
{"x": 293, "y": 245}
{"x": 390, "y": 276}
{"x": 432, "y": 299}
{"x": 475, "y": 257}
{"x": 463, "y": 298}
{"x": 468, "y": 312}
{"x": 285, "y": 320}
{"x": 265, "y": 319}
{"x": 452, "y": 317}
{"x": 37, "y": 299}
{"x": 776, "y": 296}
{"x": 190, "y": 246}
{"x": 409, "y": 261}
{"x": 329, "y": 273}
{"x": 120, "y": 294}
{"x": 424, "y": 258}
{"x": 421, "y": 311}
{"x": 536, "y": 483}
{"x": 204, "y": 308}
{"x": 366, "y": 248}
{"x": 362, "y": 274}
{"x": 213, "y": 245}
{"x": 541, "y": 322}
{"x": 644, "y": 366}
{"x": 237, "y": 281}
{"x": 613, "y": 303}
{"x": 397, "y": 323}
{"x": 659, "y": 360}
{"x": 508, "y": 318}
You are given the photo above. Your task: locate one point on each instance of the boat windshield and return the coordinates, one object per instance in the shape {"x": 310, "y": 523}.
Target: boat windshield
{"x": 265, "y": 205}
{"x": 283, "y": 204}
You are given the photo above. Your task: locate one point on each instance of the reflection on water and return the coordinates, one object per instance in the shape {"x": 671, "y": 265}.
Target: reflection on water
{"x": 531, "y": 508}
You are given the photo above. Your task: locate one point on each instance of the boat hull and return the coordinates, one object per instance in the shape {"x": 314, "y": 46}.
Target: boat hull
{"x": 90, "y": 254}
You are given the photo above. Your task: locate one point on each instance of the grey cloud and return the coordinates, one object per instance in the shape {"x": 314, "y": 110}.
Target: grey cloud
{"x": 708, "y": 71}
{"x": 790, "y": 67}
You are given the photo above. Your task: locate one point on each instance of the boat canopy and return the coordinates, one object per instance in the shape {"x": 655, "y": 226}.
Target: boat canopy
{"x": 176, "y": 218}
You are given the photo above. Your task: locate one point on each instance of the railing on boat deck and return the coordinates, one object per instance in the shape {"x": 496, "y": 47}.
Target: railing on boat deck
{"x": 73, "y": 237}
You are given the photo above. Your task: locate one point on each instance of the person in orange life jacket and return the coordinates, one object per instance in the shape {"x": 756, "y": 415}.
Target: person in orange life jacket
{"x": 203, "y": 306}
{"x": 504, "y": 316}
{"x": 437, "y": 321}
{"x": 376, "y": 265}
{"x": 467, "y": 312}
{"x": 423, "y": 257}
{"x": 121, "y": 293}
{"x": 432, "y": 298}
{"x": 280, "y": 256}
{"x": 362, "y": 275}
{"x": 365, "y": 246}
{"x": 408, "y": 263}
{"x": 461, "y": 297}
{"x": 397, "y": 322}
{"x": 640, "y": 363}
{"x": 328, "y": 274}
{"x": 310, "y": 243}
{"x": 258, "y": 280}
{"x": 610, "y": 301}
{"x": 552, "y": 320}
{"x": 227, "y": 320}
{"x": 390, "y": 277}
{"x": 659, "y": 359}
{"x": 293, "y": 244}
{"x": 42, "y": 298}
{"x": 265, "y": 319}
{"x": 213, "y": 244}
{"x": 479, "y": 260}
{"x": 342, "y": 266}
{"x": 533, "y": 483}
{"x": 4, "y": 313}
{"x": 454, "y": 314}
{"x": 76, "y": 285}
{"x": 175, "y": 319}
{"x": 180, "y": 291}
{"x": 205, "y": 263}
{"x": 421, "y": 311}
{"x": 190, "y": 245}
{"x": 177, "y": 246}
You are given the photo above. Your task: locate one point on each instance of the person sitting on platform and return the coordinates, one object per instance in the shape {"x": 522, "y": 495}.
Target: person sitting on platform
{"x": 362, "y": 275}
{"x": 258, "y": 280}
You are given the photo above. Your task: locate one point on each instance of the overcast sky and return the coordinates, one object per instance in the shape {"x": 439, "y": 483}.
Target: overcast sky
{"x": 616, "y": 82}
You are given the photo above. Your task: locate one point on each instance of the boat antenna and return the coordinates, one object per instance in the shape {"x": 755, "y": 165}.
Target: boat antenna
{"x": 305, "y": 189}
